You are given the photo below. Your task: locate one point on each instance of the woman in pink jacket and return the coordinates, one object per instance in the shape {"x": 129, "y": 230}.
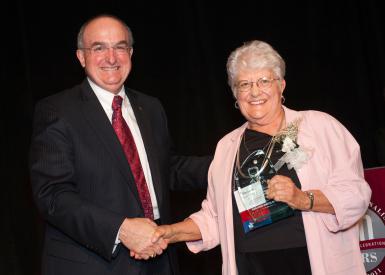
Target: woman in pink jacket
{"x": 286, "y": 189}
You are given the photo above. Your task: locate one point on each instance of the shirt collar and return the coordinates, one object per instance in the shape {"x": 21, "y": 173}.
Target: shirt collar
{"x": 104, "y": 96}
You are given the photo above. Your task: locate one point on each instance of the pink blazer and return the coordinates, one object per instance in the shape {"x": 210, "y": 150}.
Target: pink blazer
{"x": 335, "y": 168}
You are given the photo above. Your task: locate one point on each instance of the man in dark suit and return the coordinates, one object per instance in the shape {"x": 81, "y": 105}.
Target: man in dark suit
{"x": 102, "y": 165}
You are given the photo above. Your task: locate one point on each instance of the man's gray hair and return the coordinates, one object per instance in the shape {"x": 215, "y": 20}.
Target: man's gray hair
{"x": 80, "y": 42}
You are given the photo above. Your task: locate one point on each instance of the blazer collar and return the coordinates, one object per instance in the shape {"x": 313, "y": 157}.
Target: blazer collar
{"x": 95, "y": 115}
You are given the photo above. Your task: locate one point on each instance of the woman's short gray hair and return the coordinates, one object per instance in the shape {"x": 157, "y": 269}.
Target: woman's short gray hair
{"x": 254, "y": 55}
{"x": 80, "y": 41}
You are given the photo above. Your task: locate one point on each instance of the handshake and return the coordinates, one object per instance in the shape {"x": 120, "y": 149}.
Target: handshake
{"x": 144, "y": 238}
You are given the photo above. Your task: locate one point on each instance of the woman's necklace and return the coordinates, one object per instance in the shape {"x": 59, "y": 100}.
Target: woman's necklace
{"x": 267, "y": 154}
{"x": 254, "y": 176}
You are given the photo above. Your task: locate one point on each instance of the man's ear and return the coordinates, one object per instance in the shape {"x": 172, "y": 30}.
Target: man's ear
{"x": 131, "y": 52}
{"x": 80, "y": 56}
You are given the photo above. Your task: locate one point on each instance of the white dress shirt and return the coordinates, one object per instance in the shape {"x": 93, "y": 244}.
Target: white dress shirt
{"x": 105, "y": 98}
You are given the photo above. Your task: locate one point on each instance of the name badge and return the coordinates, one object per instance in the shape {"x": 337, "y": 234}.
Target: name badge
{"x": 250, "y": 196}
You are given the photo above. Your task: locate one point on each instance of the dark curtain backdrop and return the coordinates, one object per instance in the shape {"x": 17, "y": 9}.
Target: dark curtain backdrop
{"x": 335, "y": 55}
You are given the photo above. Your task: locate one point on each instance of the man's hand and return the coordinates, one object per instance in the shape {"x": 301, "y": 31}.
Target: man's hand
{"x": 136, "y": 235}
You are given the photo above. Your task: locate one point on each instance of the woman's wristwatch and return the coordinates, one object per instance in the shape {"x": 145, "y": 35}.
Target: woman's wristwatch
{"x": 310, "y": 195}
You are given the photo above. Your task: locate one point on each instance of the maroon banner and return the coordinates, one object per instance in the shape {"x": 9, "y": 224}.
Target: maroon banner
{"x": 372, "y": 226}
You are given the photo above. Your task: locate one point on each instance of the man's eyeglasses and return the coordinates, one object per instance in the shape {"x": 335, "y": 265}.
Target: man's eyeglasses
{"x": 262, "y": 83}
{"x": 103, "y": 49}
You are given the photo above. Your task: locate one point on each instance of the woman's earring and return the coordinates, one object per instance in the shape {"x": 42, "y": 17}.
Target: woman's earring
{"x": 236, "y": 105}
{"x": 283, "y": 99}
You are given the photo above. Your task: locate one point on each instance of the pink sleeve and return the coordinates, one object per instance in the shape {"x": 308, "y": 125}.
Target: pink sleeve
{"x": 345, "y": 188}
{"x": 207, "y": 221}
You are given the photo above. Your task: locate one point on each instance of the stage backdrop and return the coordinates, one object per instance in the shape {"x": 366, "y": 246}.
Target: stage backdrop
{"x": 372, "y": 228}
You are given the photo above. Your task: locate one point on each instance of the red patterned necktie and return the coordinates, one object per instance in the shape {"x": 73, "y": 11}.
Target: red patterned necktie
{"x": 126, "y": 139}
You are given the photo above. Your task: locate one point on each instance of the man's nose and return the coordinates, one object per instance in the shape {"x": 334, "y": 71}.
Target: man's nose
{"x": 111, "y": 55}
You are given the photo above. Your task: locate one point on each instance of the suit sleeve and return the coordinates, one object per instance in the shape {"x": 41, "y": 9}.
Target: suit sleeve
{"x": 56, "y": 189}
{"x": 186, "y": 172}
{"x": 189, "y": 172}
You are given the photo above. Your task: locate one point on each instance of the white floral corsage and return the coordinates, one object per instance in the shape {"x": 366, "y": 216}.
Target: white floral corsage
{"x": 295, "y": 156}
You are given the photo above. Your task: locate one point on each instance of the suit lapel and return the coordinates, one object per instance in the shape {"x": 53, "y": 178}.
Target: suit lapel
{"x": 147, "y": 133}
{"x": 95, "y": 115}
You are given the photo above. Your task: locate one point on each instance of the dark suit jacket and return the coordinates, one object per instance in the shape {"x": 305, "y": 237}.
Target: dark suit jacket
{"x": 83, "y": 186}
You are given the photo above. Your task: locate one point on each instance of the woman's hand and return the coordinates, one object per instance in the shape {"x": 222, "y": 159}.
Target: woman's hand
{"x": 164, "y": 232}
{"x": 186, "y": 230}
{"x": 281, "y": 188}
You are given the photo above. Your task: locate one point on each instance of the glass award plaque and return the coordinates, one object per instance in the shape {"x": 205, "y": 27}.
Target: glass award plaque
{"x": 250, "y": 186}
